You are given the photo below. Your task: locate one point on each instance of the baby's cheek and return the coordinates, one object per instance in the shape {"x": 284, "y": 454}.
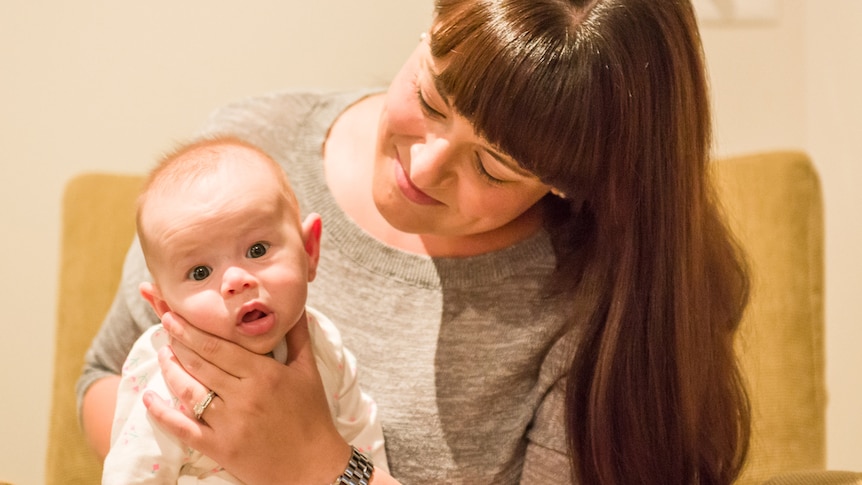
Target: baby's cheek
{"x": 206, "y": 311}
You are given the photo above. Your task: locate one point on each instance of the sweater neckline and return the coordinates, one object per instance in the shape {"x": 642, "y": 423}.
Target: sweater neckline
{"x": 526, "y": 257}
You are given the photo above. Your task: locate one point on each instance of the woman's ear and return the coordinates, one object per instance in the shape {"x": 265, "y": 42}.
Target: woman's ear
{"x": 151, "y": 293}
{"x": 312, "y": 228}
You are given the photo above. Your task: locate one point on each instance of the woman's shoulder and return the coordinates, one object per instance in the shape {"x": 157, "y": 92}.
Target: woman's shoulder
{"x": 273, "y": 112}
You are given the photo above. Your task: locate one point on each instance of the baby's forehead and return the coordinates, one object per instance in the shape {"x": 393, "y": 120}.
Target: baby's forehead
{"x": 183, "y": 226}
{"x": 219, "y": 189}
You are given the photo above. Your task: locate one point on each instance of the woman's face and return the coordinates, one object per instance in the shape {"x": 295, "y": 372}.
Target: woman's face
{"x": 434, "y": 175}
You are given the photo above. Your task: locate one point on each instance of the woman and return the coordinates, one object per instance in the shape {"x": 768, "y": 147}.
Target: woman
{"x": 523, "y": 249}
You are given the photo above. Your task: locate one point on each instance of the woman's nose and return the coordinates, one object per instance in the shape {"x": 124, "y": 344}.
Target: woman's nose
{"x": 236, "y": 280}
{"x": 429, "y": 163}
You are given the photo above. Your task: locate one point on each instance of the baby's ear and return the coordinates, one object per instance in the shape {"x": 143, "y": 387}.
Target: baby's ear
{"x": 312, "y": 228}
{"x": 151, "y": 293}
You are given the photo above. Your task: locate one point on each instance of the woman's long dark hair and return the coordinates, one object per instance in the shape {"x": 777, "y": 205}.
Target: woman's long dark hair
{"x": 607, "y": 101}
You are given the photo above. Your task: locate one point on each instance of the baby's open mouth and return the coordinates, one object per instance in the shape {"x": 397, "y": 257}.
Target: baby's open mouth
{"x": 252, "y": 316}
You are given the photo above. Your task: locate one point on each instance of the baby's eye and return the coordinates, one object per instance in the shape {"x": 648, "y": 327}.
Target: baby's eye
{"x": 257, "y": 250}
{"x": 200, "y": 273}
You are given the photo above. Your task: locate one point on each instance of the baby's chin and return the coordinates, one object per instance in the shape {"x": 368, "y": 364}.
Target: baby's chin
{"x": 261, "y": 347}
{"x": 265, "y": 346}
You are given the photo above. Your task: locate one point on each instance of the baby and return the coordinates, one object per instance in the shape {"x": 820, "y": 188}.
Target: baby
{"x": 221, "y": 234}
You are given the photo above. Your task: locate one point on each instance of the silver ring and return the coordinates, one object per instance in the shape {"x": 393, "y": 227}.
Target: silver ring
{"x": 202, "y": 406}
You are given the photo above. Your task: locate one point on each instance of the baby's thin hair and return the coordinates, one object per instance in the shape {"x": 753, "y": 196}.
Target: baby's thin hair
{"x": 177, "y": 168}
{"x": 169, "y": 168}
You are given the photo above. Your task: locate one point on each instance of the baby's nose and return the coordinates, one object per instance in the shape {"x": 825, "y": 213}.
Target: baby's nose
{"x": 236, "y": 280}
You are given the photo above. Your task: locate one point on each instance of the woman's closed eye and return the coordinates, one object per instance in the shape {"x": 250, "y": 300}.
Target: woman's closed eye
{"x": 483, "y": 172}
{"x": 427, "y": 108}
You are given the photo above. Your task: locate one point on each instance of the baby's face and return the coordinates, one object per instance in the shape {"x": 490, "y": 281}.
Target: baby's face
{"x": 231, "y": 257}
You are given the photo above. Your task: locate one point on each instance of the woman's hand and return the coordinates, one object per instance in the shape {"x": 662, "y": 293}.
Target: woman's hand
{"x": 268, "y": 423}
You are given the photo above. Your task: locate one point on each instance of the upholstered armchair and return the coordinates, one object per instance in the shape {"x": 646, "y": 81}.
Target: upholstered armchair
{"x": 773, "y": 203}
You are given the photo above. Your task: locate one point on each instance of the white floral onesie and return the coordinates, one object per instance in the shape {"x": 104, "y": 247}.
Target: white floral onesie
{"x": 141, "y": 452}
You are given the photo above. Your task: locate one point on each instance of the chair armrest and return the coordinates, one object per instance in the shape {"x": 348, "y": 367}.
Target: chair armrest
{"x": 817, "y": 477}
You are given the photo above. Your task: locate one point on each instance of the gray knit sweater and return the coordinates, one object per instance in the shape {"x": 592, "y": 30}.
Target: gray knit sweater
{"x": 465, "y": 357}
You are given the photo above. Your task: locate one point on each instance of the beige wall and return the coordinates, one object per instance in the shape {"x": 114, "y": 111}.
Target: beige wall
{"x": 100, "y": 85}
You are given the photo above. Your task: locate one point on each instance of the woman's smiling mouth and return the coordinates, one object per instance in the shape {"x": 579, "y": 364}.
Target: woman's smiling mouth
{"x": 410, "y": 191}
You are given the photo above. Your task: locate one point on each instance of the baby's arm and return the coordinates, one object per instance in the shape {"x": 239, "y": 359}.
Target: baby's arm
{"x": 140, "y": 451}
{"x": 354, "y": 411}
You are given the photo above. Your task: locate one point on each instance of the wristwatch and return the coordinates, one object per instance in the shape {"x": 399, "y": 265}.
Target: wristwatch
{"x": 358, "y": 471}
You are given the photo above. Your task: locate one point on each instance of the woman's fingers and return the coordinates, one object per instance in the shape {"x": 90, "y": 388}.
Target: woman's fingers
{"x": 191, "y": 390}
{"x": 205, "y": 346}
{"x": 267, "y": 421}
{"x": 187, "y": 390}
{"x": 196, "y": 348}
{"x": 188, "y": 430}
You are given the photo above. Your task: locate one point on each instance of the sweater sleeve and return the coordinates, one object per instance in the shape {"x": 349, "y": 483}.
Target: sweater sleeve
{"x": 547, "y": 458}
{"x": 141, "y": 453}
